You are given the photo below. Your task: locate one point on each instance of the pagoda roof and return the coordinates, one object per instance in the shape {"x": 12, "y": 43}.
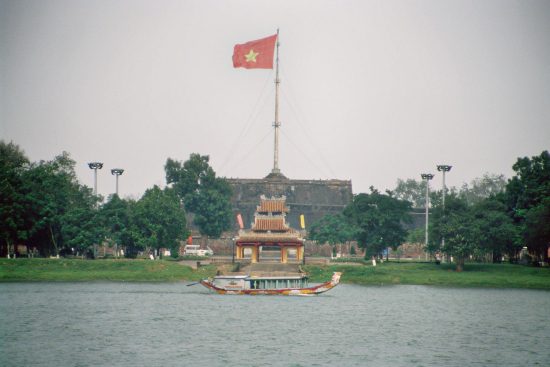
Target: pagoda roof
{"x": 270, "y": 223}
{"x": 272, "y": 205}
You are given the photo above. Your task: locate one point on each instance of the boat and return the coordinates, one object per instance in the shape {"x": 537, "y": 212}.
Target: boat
{"x": 265, "y": 285}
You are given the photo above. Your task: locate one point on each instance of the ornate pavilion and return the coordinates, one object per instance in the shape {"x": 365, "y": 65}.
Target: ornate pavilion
{"x": 270, "y": 232}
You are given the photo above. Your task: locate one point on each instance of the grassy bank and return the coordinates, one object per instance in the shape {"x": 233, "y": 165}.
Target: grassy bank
{"x": 474, "y": 275}
{"x": 98, "y": 270}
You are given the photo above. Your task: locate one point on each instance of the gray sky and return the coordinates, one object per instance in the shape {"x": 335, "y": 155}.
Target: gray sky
{"x": 371, "y": 91}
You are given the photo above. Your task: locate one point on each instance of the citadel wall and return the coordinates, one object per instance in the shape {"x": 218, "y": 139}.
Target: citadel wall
{"x": 313, "y": 198}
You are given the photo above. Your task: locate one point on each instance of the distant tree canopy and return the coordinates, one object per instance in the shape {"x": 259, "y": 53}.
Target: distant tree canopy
{"x": 480, "y": 188}
{"x": 333, "y": 229}
{"x": 379, "y": 218}
{"x": 13, "y": 208}
{"x": 158, "y": 220}
{"x": 208, "y": 197}
{"x": 527, "y": 198}
{"x": 483, "y": 188}
{"x": 412, "y": 191}
{"x": 492, "y": 219}
{"x": 488, "y": 219}
{"x": 43, "y": 206}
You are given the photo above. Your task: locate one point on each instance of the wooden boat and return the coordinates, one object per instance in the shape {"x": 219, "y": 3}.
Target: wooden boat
{"x": 281, "y": 285}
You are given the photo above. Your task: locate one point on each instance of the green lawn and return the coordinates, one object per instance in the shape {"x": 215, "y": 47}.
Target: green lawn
{"x": 93, "y": 270}
{"x": 474, "y": 275}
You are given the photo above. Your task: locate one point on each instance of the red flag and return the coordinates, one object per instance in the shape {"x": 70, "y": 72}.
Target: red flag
{"x": 255, "y": 54}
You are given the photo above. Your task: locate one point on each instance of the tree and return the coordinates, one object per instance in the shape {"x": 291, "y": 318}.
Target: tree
{"x": 411, "y": 190}
{"x": 80, "y": 224}
{"x": 528, "y": 191}
{"x": 416, "y": 235}
{"x": 54, "y": 198}
{"x": 333, "y": 229}
{"x": 205, "y": 195}
{"x": 380, "y": 220}
{"x": 13, "y": 162}
{"x": 439, "y": 228}
{"x": 482, "y": 188}
{"x": 537, "y": 228}
{"x": 158, "y": 220}
{"x": 496, "y": 233}
{"x": 115, "y": 219}
{"x": 473, "y": 230}
{"x": 460, "y": 236}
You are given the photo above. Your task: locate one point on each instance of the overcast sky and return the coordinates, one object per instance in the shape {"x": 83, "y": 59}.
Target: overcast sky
{"x": 371, "y": 91}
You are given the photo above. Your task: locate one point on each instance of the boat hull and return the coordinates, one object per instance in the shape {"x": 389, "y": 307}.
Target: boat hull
{"x": 309, "y": 291}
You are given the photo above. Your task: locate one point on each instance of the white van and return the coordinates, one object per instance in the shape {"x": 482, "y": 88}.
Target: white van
{"x": 195, "y": 250}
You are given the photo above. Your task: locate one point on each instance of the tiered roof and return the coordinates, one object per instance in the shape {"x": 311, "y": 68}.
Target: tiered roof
{"x": 272, "y": 205}
{"x": 270, "y": 223}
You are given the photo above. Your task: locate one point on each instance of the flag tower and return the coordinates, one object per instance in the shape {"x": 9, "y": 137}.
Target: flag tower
{"x": 277, "y": 123}
{"x": 259, "y": 54}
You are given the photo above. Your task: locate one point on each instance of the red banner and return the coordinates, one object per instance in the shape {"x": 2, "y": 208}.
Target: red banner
{"x": 240, "y": 221}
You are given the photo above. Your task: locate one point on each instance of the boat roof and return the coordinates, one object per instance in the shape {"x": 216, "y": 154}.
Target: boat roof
{"x": 277, "y": 277}
{"x": 262, "y": 277}
{"x": 231, "y": 276}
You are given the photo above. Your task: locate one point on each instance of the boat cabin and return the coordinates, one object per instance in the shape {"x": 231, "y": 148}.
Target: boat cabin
{"x": 240, "y": 282}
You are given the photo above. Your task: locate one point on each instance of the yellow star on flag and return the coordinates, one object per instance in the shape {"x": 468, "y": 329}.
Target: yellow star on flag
{"x": 251, "y": 56}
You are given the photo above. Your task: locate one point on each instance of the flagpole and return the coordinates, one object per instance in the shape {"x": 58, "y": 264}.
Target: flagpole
{"x": 277, "y": 123}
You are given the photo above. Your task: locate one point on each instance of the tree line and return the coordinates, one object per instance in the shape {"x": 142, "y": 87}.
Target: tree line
{"x": 489, "y": 219}
{"x": 45, "y": 208}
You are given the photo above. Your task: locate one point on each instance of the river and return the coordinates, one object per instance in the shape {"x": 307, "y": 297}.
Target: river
{"x": 170, "y": 324}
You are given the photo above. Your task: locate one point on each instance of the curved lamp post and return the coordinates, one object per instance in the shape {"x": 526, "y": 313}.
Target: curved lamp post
{"x": 117, "y": 172}
{"x": 95, "y": 166}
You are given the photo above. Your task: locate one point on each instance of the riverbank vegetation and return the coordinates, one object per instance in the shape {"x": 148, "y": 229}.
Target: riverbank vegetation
{"x": 388, "y": 273}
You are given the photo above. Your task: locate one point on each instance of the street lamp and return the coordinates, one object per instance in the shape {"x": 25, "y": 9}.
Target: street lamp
{"x": 444, "y": 168}
{"x": 117, "y": 172}
{"x": 95, "y": 166}
{"x": 427, "y": 177}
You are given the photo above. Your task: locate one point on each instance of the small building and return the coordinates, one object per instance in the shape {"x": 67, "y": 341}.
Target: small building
{"x": 270, "y": 234}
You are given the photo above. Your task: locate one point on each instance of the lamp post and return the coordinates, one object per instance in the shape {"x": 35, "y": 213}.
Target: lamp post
{"x": 95, "y": 166}
{"x": 444, "y": 168}
{"x": 117, "y": 172}
{"x": 427, "y": 177}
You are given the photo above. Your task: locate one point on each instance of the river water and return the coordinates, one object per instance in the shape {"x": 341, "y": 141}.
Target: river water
{"x": 170, "y": 324}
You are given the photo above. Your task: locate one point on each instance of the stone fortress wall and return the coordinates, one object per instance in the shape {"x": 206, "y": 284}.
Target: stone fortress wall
{"x": 313, "y": 198}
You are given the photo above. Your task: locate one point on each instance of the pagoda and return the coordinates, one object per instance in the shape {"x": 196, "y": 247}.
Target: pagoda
{"x": 270, "y": 230}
